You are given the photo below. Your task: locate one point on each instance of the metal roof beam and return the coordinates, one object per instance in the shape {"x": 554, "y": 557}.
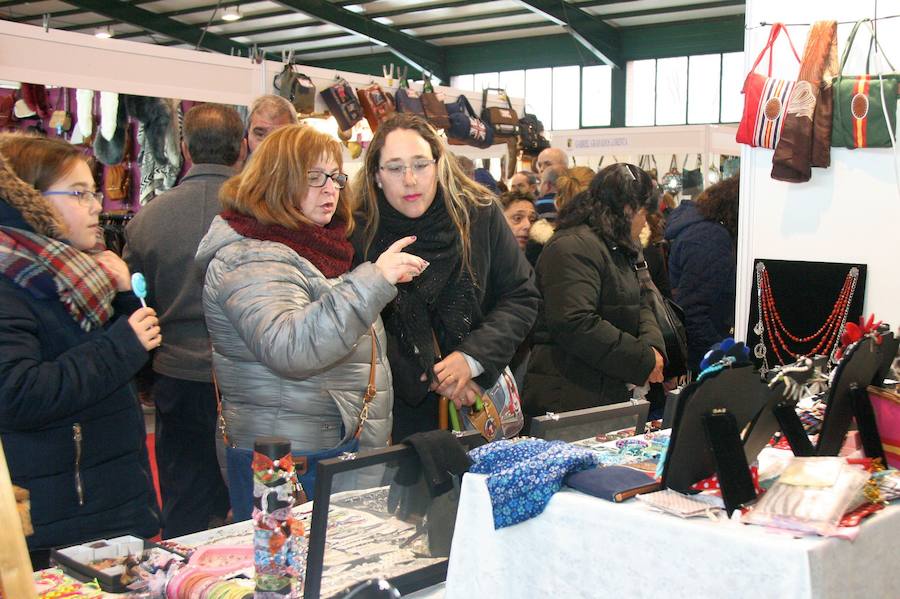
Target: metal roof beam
{"x": 418, "y": 53}
{"x": 138, "y": 17}
{"x": 590, "y": 31}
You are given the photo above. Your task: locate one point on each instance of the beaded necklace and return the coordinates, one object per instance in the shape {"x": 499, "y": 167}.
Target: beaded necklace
{"x": 771, "y": 323}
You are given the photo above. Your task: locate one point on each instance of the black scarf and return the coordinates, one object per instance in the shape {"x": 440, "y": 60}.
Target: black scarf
{"x": 442, "y": 299}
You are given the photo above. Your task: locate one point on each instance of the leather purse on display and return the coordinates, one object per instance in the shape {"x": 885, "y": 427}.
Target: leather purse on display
{"x": 377, "y": 104}
{"x": 465, "y": 128}
{"x": 117, "y": 177}
{"x": 765, "y": 99}
{"x": 409, "y": 101}
{"x": 296, "y": 88}
{"x": 647, "y": 163}
{"x": 343, "y": 104}
{"x": 433, "y": 104}
{"x": 503, "y": 120}
{"x": 61, "y": 120}
{"x": 865, "y": 106}
{"x": 6, "y": 110}
{"x": 692, "y": 179}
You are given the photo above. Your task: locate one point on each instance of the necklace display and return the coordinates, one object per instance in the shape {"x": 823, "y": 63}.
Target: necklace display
{"x": 771, "y": 323}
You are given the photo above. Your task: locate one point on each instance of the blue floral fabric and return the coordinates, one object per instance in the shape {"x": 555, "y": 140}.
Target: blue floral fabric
{"x": 524, "y": 474}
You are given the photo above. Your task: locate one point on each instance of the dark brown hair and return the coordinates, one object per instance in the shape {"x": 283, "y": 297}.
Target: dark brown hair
{"x": 509, "y": 198}
{"x": 719, "y": 203}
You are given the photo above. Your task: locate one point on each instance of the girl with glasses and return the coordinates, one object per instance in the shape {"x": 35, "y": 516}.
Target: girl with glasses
{"x": 454, "y": 329}
{"x": 73, "y": 336}
{"x": 290, "y": 322}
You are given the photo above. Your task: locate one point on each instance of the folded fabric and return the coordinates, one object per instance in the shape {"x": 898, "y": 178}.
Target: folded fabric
{"x": 612, "y": 483}
{"x": 524, "y": 474}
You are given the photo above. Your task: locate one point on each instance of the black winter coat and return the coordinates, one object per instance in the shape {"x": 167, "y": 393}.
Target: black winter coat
{"x": 69, "y": 414}
{"x": 594, "y": 333}
{"x": 507, "y": 306}
{"x": 702, "y": 271}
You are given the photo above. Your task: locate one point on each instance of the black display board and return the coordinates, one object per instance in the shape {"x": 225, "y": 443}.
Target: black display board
{"x": 804, "y": 293}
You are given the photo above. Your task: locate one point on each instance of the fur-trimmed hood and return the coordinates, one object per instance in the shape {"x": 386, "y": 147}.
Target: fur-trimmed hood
{"x": 23, "y": 207}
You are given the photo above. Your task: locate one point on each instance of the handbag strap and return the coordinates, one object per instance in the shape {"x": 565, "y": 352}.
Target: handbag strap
{"x": 873, "y": 43}
{"x": 503, "y": 96}
{"x": 776, "y": 30}
{"x": 673, "y": 164}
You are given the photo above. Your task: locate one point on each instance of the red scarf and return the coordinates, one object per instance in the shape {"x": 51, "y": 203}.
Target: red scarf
{"x": 326, "y": 247}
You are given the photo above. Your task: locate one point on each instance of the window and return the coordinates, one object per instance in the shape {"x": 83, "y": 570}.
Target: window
{"x": 596, "y": 95}
{"x": 483, "y": 80}
{"x": 513, "y": 82}
{"x": 538, "y": 95}
{"x": 640, "y": 92}
{"x": 671, "y": 90}
{"x": 464, "y": 82}
{"x": 733, "y": 75}
{"x": 703, "y": 88}
{"x": 566, "y": 97}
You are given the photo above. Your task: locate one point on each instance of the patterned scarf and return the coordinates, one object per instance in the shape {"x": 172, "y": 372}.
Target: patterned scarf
{"x": 442, "y": 300}
{"x": 327, "y": 247}
{"x": 50, "y": 269}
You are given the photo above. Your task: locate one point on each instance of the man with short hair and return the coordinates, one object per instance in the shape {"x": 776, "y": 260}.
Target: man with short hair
{"x": 161, "y": 243}
{"x": 525, "y": 183}
{"x": 546, "y": 203}
{"x": 268, "y": 113}
{"x": 552, "y": 157}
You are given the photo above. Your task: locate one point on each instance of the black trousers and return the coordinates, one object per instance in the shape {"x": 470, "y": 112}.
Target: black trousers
{"x": 190, "y": 482}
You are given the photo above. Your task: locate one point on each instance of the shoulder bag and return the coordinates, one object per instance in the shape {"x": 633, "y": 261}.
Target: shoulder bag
{"x": 117, "y": 178}
{"x": 377, "y": 104}
{"x": 669, "y": 317}
{"x": 433, "y": 104}
{"x": 342, "y": 104}
{"x": 239, "y": 459}
{"x": 765, "y": 99}
{"x": 409, "y": 101}
{"x": 296, "y": 88}
{"x": 465, "y": 127}
{"x": 503, "y": 120}
{"x": 865, "y": 106}
{"x": 531, "y": 135}
{"x": 692, "y": 179}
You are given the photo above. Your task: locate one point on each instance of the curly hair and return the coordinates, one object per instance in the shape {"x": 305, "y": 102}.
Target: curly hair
{"x": 509, "y": 198}
{"x": 720, "y": 202}
{"x": 616, "y": 193}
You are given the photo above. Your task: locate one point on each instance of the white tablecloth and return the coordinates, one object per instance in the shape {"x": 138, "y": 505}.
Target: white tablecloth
{"x": 582, "y": 546}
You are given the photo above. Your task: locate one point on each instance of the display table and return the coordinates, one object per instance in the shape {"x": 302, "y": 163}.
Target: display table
{"x": 581, "y": 546}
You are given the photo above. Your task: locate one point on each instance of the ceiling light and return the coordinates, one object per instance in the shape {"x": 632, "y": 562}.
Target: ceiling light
{"x": 232, "y": 13}
{"x": 103, "y": 33}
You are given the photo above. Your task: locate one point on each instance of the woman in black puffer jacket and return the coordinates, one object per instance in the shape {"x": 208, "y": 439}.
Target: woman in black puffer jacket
{"x": 595, "y": 335}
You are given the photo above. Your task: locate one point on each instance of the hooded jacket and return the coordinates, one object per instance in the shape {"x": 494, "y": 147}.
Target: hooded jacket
{"x": 291, "y": 348}
{"x": 702, "y": 270}
{"x": 71, "y": 427}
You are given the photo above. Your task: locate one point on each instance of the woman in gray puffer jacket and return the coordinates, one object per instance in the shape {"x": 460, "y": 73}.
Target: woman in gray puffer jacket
{"x": 290, "y": 326}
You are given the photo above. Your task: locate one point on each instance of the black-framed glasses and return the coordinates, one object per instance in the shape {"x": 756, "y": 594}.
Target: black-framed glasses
{"x": 418, "y": 167}
{"x": 85, "y": 198}
{"x": 318, "y": 178}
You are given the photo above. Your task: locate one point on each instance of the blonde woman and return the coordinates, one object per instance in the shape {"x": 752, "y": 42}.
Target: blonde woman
{"x": 289, "y": 322}
{"x": 477, "y": 300}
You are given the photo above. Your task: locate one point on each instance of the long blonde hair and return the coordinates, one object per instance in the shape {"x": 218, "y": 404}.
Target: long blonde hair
{"x": 275, "y": 178}
{"x": 460, "y": 193}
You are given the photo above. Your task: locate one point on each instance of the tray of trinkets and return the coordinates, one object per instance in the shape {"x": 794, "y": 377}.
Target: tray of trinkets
{"x": 115, "y": 563}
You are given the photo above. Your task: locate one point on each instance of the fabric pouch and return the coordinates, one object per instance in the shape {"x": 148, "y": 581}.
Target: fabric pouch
{"x": 612, "y": 483}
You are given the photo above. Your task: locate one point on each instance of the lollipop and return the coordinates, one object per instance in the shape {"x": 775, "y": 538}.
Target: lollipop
{"x": 139, "y": 287}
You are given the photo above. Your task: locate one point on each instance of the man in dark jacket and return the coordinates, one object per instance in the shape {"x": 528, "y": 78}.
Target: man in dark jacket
{"x": 161, "y": 243}
{"x": 702, "y": 262}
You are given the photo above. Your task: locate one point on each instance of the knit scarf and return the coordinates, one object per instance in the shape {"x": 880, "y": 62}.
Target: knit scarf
{"x": 49, "y": 269}
{"x": 326, "y": 247}
{"x": 441, "y": 300}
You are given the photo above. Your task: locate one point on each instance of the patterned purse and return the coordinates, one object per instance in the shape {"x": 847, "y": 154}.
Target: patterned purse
{"x": 765, "y": 99}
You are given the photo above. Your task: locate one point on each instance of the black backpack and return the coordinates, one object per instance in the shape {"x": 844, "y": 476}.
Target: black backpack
{"x": 531, "y": 139}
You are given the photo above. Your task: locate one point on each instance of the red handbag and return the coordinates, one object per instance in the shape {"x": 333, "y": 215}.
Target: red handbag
{"x": 765, "y": 100}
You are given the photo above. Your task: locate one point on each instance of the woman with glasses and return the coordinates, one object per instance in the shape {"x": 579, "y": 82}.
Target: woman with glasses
{"x": 291, "y": 325}
{"x": 596, "y": 334}
{"x": 72, "y": 336}
{"x": 452, "y": 330}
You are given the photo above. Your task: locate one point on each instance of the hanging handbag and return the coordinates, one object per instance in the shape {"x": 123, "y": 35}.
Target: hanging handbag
{"x": 647, "y": 163}
{"x": 765, "y": 99}
{"x": 296, "y": 88}
{"x": 669, "y": 317}
{"x": 408, "y": 101}
{"x": 692, "y": 179}
{"x": 465, "y": 128}
{"x": 531, "y": 135}
{"x": 433, "y": 105}
{"x": 497, "y": 414}
{"x": 6, "y": 110}
{"x": 61, "y": 120}
{"x": 865, "y": 106}
{"x": 343, "y": 104}
{"x": 117, "y": 177}
{"x": 377, "y": 104}
{"x": 239, "y": 460}
{"x": 671, "y": 181}
{"x": 503, "y": 120}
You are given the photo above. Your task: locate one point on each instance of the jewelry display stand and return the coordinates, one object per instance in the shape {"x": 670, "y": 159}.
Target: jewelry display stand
{"x": 804, "y": 305}
{"x": 589, "y": 422}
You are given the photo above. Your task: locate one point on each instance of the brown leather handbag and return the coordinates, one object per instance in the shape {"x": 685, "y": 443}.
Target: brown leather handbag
{"x": 502, "y": 119}
{"x": 377, "y": 104}
{"x": 433, "y": 105}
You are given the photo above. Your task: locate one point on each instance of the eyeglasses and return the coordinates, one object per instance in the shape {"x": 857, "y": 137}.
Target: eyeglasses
{"x": 318, "y": 178}
{"x": 418, "y": 167}
{"x": 85, "y": 198}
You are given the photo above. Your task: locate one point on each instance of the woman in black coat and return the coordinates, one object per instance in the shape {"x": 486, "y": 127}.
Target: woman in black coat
{"x": 595, "y": 334}
{"x": 476, "y": 300}
{"x": 72, "y": 337}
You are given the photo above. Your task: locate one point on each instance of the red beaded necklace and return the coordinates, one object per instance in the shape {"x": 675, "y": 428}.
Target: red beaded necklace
{"x": 771, "y": 322}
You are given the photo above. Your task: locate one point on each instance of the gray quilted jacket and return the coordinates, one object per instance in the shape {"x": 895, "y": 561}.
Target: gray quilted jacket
{"x": 292, "y": 349}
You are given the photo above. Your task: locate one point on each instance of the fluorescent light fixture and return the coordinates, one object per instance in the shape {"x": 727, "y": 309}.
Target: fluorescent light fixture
{"x": 232, "y": 13}
{"x": 103, "y": 33}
